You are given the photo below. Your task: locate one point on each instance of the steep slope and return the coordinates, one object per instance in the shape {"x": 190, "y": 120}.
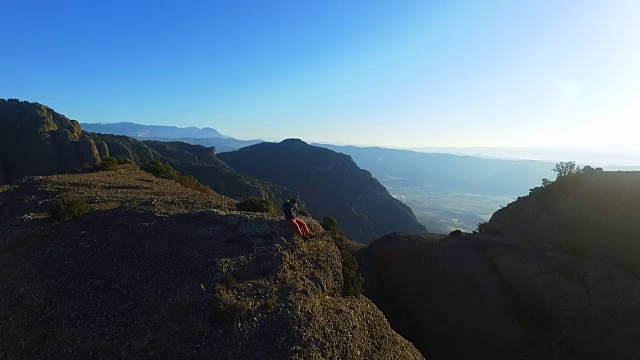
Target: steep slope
{"x": 484, "y": 297}
{"x": 330, "y": 183}
{"x": 35, "y": 140}
{"x": 156, "y": 270}
{"x": 593, "y": 214}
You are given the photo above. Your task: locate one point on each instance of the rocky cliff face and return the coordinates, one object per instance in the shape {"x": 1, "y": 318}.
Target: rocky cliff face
{"x": 330, "y": 183}
{"x": 484, "y": 297}
{"x": 156, "y": 270}
{"x": 35, "y": 140}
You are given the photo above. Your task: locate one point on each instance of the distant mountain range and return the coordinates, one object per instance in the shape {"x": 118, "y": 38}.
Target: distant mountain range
{"x": 612, "y": 160}
{"x": 192, "y": 135}
{"x": 152, "y": 131}
{"x": 446, "y": 173}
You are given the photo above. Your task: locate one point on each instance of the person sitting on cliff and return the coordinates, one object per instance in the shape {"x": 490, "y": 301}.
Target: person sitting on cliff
{"x": 290, "y": 209}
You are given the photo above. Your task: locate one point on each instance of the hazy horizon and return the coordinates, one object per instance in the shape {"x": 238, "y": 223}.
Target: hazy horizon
{"x": 584, "y": 156}
{"x": 408, "y": 74}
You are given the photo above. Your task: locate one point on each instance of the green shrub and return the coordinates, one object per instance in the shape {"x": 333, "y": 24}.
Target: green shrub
{"x": 67, "y": 209}
{"x": 166, "y": 171}
{"x": 193, "y": 183}
{"x": 488, "y": 228}
{"x": 330, "y": 224}
{"x": 108, "y": 164}
{"x": 254, "y": 204}
{"x": 352, "y": 278}
{"x": 122, "y": 161}
{"x": 161, "y": 170}
{"x": 456, "y": 233}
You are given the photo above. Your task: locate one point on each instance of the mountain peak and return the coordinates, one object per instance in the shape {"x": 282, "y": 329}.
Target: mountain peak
{"x": 293, "y": 141}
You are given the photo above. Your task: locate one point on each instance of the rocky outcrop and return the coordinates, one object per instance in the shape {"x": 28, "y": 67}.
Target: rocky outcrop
{"x": 118, "y": 146}
{"x": 35, "y": 140}
{"x": 156, "y": 270}
{"x": 484, "y": 297}
{"x": 330, "y": 183}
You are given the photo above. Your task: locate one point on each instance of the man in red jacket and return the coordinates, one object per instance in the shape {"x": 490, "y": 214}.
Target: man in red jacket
{"x": 290, "y": 209}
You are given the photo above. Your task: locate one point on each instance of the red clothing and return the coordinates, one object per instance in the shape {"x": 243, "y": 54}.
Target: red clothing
{"x": 296, "y": 224}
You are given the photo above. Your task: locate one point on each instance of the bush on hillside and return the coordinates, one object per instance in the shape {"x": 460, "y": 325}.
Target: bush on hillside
{"x": 456, "y": 233}
{"x": 353, "y": 280}
{"x": 488, "y": 228}
{"x": 566, "y": 168}
{"x": 254, "y": 204}
{"x": 193, "y": 183}
{"x": 161, "y": 170}
{"x": 108, "y": 164}
{"x": 67, "y": 209}
{"x": 125, "y": 160}
{"x": 166, "y": 171}
{"x": 329, "y": 223}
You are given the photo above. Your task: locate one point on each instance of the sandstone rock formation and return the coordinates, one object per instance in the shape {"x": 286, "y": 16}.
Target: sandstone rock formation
{"x": 35, "y": 140}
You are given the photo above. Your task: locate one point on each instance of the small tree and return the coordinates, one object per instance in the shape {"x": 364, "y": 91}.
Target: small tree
{"x": 108, "y": 164}
{"x": 353, "y": 280}
{"x": 566, "y": 168}
{"x": 330, "y": 224}
{"x": 254, "y": 204}
{"x": 546, "y": 182}
{"x": 161, "y": 170}
{"x": 125, "y": 161}
{"x": 456, "y": 233}
{"x": 67, "y": 209}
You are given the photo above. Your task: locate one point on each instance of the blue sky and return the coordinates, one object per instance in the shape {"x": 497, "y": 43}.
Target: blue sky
{"x": 392, "y": 73}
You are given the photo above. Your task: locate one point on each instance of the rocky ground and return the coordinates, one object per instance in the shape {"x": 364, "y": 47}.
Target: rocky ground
{"x": 155, "y": 270}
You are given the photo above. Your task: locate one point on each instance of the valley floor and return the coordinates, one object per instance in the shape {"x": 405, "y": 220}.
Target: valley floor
{"x": 442, "y": 213}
